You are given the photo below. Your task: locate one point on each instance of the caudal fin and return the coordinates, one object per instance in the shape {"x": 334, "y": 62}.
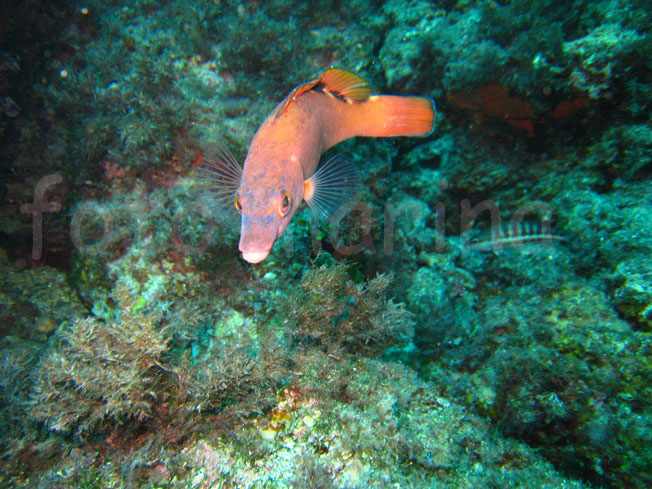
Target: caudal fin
{"x": 391, "y": 115}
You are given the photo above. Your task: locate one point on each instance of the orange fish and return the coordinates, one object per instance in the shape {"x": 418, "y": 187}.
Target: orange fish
{"x": 280, "y": 170}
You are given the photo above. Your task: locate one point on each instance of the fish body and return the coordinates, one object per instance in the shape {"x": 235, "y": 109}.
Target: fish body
{"x": 280, "y": 170}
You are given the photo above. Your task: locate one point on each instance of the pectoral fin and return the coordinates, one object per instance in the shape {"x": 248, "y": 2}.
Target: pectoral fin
{"x": 335, "y": 182}
{"x": 219, "y": 174}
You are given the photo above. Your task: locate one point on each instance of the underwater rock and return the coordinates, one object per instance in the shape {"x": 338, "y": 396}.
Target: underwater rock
{"x": 633, "y": 291}
{"x": 34, "y": 302}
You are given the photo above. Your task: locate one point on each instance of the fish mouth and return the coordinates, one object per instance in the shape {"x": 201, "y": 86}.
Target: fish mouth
{"x": 255, "y": 256}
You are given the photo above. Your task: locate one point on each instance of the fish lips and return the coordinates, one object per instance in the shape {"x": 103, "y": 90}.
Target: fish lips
{"x": 257, "y": 236}
{"x": 255, "y": 256}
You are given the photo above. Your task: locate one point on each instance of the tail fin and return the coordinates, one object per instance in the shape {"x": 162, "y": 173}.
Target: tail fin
{"x": 391, "y": 115}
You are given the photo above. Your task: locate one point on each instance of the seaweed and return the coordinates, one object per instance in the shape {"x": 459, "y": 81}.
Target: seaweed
{"x": 329, "y": 310}
{"x": 98, "y": 373}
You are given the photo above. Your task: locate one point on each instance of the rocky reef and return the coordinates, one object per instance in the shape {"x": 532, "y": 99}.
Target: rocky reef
{"x": 482, "y": 320}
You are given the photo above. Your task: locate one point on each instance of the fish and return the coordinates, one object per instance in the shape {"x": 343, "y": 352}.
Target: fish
{"x": 519, "y": 235}
{"x": 281, "y": 167}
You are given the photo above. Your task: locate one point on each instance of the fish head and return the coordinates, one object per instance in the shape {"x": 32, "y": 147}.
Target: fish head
{"x": 267, "y": 203}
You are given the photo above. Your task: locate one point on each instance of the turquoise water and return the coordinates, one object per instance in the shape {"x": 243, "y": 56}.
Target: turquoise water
{"x": 475, "y": 313}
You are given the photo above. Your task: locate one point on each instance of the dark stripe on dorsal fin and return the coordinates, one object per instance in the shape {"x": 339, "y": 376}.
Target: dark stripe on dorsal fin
{"x": 346, "y": 85}
{"x": 300, "y": 90}
{"x": 338, "y": 83}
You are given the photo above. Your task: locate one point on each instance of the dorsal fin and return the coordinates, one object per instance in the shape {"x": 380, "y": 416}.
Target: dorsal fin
{"x": 345, "y": 84}
{"x": 301, "y": 89}
{"x": 339, "y": 83}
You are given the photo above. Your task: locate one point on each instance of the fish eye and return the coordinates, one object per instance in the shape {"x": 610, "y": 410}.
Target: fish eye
{"x": 237, "y": 203}
{"x": 284, "y": 203}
